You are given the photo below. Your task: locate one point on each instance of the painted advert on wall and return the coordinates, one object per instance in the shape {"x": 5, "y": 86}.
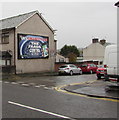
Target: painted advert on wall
{"x": 32, "y": 46}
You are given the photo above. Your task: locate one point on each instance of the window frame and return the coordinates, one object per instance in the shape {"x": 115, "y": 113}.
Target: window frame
{"x": 3, "y": 36}
{"x": 6, "y": 62}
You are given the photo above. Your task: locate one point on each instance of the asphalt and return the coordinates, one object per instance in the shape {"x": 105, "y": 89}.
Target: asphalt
{"x": 98, "y": 88}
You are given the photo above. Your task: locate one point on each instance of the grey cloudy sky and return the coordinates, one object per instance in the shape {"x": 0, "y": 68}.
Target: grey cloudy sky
{"x": 76, "y": 22}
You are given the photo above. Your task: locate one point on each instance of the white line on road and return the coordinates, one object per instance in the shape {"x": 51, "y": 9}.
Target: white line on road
{"x": 6, "y": 82}
{"x": 46, "y": 87}
{"x": 37, "y": 86}
{"x": 42, "y": 85}
{"x": 36, "y": 109}
{"x": 26, "y": 85}
{"x": 14, "y": 83}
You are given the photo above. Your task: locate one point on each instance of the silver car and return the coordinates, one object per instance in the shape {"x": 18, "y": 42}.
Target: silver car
{"x": 69, "y": 69}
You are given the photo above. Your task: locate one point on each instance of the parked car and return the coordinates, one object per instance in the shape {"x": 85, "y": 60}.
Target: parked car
{"x": 88, "y": 68}
{"x": 69, "y": 69}
{"x": 101, "y": 71}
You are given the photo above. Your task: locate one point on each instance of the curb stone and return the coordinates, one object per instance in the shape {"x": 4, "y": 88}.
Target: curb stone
{"x": 68, "y": 88}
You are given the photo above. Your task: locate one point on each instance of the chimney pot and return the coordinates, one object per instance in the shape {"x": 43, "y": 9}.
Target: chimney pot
{"x": 102, "y": 42}
{"x": 95, "y": 40}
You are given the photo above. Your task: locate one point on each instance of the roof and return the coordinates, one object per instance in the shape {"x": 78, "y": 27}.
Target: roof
{"x": 5, "y": 54}
{"x": 104, "y": 45}
{"x": 107, "y": 43}
{"x": 15, "y": 21}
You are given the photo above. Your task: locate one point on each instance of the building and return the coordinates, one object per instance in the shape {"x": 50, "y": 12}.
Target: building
{"x": 95, "y": 51}
{"x": 27, "y": 43}
{"x": 60, "y": 58}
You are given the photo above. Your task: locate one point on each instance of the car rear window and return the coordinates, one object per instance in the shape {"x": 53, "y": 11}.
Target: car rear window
{"x": 85, "y": 65}
{"x": 63, "y": 66}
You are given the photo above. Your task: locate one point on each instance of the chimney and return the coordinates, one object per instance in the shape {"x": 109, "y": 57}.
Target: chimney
{"x": 95, "y": 40}
{"x": 117, "y": 4}
{"x": 102, "y": 42}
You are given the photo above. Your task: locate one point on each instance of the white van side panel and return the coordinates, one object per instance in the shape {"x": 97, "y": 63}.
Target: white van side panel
{"x": 112, "y": 63}
{"x": 110, "y": 59}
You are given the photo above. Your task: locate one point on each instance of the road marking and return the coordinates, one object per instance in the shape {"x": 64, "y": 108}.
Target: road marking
{"x": 46, "y": 88}
{"x": 14, "y": 83}
{"x": 25, "y": 85}
{"x": 36, "y": 109}
{"x": 42, "y": 85}
{"x": 6, "y": 82}
{"x": 81, "y": 95}
{"x": 37, "y": 86}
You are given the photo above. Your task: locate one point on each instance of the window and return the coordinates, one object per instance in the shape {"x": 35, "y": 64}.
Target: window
{"x": 2, "y": 62}
{"x": 5, "y": 38}
{"x": 5, "y": 62}
{"x": 8, "y": 62}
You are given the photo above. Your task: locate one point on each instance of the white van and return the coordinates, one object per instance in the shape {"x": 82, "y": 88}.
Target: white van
{"x": 111, "y": 62}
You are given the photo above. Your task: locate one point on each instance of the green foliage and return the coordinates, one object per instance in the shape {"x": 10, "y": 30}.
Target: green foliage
{"x": 69, "y": 49}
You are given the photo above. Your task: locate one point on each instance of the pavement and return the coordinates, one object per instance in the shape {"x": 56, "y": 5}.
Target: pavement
{"x": 97, "y": 88}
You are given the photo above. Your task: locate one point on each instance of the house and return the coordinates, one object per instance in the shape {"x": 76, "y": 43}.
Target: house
{"x": 95, "y": 51}
{"x": 60, "y": 58}
{"x": 27, "y": 43}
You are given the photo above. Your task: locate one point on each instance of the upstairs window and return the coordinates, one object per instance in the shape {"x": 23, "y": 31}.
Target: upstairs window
{"x": 5, "y": 38}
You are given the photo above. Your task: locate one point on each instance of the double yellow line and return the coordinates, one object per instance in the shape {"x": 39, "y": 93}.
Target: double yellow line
{"x": 60, "y": 89}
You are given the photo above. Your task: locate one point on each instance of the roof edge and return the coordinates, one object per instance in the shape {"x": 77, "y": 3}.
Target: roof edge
{"x": 26, "y": 19}
{"x": 40, "y": 15}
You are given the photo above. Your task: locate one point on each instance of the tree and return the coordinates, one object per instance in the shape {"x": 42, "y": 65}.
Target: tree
{"x": 71, "y": 51}
{"x": 72, "y": 57}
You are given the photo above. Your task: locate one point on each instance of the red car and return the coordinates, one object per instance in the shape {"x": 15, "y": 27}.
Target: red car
{"x": 101, "y": 71}
{"x": 88, "y": 68}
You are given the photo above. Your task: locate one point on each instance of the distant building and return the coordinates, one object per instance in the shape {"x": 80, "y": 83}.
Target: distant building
{"x": 60, "y": 58}
{"x": 95, "y": 51}
{"x": 27, "y": 43}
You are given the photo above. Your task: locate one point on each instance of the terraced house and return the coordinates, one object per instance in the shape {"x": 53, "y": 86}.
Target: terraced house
{"x": 27, "y": 44}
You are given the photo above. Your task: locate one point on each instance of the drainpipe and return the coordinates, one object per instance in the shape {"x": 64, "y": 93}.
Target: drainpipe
{"x": 15, "y": 49}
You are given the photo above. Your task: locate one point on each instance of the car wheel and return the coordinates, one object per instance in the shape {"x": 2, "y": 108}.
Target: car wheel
{"x": 59, "y": 73}
{"x": 98, "y": 76}
{"x": 71, "y": 72}
{"x": 91, "y": 72}
{"x": 118, "y": 79}
{"x": 106, "y": 77}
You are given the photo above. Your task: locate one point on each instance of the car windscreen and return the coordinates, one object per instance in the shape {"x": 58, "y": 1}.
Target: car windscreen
{"x": 100, "y": 66}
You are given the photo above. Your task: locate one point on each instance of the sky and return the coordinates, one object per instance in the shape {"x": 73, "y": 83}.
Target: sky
{"x": 77, "y": 23}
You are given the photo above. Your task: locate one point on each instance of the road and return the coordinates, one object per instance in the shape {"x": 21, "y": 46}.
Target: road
{"x": 45, "y": 102}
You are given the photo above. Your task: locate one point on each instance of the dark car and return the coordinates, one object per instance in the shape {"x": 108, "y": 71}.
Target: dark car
{"x": 101, "y": 71}
{"x": 88, "y": 68}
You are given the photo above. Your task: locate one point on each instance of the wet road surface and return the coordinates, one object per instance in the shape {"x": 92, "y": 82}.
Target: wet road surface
{"x": 40, "y": 99}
